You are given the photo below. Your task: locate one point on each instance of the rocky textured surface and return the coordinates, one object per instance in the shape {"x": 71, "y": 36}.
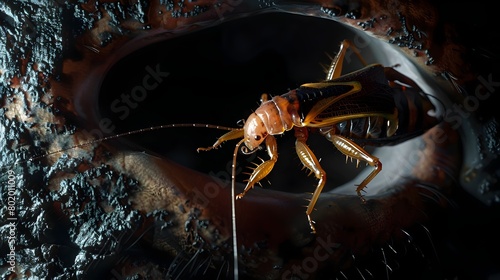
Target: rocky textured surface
{"x": 108, "y": 210}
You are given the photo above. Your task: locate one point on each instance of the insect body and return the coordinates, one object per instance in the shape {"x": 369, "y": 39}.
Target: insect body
{"x": 375, "y": 105}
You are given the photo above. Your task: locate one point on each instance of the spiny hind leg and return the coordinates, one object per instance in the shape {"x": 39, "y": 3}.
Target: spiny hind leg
{"x": 351, "y": 149}
{"x": 335, "y": 69}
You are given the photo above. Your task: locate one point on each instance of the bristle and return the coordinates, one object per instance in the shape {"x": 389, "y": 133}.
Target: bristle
{"x": 324, "y": 67}
{"x": 329, "y": 56}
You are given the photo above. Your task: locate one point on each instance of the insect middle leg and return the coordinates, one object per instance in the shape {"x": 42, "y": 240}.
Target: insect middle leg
{"x": 310, "y": 161}
{"x": 353, "y": 150}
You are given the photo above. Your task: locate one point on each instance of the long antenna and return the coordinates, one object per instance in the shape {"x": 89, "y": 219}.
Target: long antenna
{"x": 142, "y": 130}
{"x": 233, "y": 210}
{"x": 152, "y": 128}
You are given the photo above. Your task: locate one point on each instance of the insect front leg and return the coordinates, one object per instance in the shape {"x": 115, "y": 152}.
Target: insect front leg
{"x": 310, "y": 161}
{"x": 263, "y": 169}
{"x": 231, "y": 135}
{"x": 351, "y": 149}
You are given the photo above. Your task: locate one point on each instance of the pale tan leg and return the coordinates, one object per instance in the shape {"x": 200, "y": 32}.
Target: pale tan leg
{"x": 263, "y": 169}
{"x": 335, "y": 69}
{"x": 310, "y": 161}
{"x": 231, "y": 135}
{"x": 353, "y": 150}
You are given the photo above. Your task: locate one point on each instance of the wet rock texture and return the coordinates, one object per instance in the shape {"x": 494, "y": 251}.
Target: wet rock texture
{"x": 106, "y": 211}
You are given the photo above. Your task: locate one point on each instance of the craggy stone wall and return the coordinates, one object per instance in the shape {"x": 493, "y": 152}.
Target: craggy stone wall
{"x": 109, "y": 210}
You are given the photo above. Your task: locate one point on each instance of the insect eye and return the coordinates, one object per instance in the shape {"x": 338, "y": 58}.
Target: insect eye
{"x": 257, "y": 137}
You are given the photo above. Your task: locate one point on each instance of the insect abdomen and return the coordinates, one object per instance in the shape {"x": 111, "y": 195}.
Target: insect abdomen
{"x": 413, "y": 119}
{"x": 413, "y": 107}
{"x": 363, "y": 128}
